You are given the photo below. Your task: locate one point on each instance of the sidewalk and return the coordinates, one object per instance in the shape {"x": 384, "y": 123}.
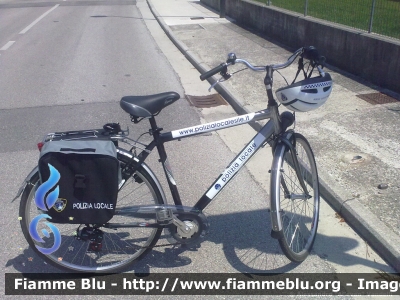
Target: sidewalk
{"x": 356, "y": 143}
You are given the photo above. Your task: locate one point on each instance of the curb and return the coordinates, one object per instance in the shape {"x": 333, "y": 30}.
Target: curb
{"x": 201, "y": 67}
{"x": 377, "y": 235}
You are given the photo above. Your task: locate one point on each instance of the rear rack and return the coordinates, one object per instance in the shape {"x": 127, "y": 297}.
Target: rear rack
{"x": 102, "y": 133}
{"x": 74, "y": 135}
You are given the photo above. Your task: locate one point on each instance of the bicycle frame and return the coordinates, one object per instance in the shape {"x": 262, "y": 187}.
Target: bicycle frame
{"x": 273, "y": 126}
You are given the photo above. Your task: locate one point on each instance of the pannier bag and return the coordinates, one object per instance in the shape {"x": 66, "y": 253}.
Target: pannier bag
{"x": 88, "y": 184}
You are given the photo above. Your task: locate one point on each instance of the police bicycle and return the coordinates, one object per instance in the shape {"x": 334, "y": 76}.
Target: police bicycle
{"x": 141, "y": 212}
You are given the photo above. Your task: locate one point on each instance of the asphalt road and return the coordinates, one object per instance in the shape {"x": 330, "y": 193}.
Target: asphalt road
{"x": 64, "y": 65}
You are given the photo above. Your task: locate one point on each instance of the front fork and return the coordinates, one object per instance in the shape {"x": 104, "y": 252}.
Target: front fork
{"x": 284, "y": 144}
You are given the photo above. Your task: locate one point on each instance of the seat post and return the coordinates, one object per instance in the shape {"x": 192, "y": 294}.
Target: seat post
{"x": 153, "y": 124}
{"x": 164, "y": 160}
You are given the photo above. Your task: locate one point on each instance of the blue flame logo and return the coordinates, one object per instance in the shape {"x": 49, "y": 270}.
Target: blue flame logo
{"x": 51, "y": 198}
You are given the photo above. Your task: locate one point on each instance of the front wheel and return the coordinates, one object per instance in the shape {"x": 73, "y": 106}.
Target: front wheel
{"x": 295, "y": 211}
{"x": 119, "y": 247}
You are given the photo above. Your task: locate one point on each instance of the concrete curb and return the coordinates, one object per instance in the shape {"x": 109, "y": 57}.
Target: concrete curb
{"x": 201, "y": 66}
{"x": 367, "y": 225}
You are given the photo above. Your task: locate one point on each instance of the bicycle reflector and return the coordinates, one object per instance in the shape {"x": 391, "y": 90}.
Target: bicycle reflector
{"x": 40, "y": 146}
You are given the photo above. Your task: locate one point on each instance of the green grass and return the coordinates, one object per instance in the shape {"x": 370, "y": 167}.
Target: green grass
{"x": 353, "y": 13}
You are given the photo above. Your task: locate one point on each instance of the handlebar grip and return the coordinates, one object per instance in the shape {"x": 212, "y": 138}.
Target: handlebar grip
{"x": 311, "y": 53}
{"x": 213, "y": 71}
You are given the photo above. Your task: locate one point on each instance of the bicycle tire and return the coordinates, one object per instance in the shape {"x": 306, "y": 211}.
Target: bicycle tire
{"x": 121, "y": 247}
{"x": 298, "y": 216}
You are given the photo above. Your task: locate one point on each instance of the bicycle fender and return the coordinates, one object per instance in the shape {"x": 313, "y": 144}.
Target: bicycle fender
{"x": 278, "y": 151}
{"x": 25, "y": 183}
{"x": 154, "y": 177}
{"x": 274, "y": 189}
{"x": 146, "y": 168}
{"x": 287, "y": 135}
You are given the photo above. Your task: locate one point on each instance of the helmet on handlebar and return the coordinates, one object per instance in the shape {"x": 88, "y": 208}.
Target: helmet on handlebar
{"x": 306, "y": 95}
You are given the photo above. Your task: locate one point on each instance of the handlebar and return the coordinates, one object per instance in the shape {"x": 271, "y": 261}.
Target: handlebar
{"x": 214, "y": 71}
{"x": 310, "y": 53}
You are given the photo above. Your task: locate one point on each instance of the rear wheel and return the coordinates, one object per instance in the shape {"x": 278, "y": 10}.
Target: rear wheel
{"x": 119, "y": 247}
{"x": 298, "y": 211}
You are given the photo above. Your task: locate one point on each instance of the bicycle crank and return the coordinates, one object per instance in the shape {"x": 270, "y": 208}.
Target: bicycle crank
{"x": 188, "y": 228}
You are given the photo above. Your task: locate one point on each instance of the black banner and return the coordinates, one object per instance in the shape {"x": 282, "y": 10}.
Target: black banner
{"x": 202, "y": 284}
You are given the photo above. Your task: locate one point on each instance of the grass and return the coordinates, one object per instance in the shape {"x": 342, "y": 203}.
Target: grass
{"x": 353, "y": 13}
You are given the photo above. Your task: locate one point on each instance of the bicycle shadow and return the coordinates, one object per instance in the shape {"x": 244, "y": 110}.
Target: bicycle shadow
{"x": 249, "y": 248}
{"x": 246, "y": 244}
{"x": 29, "y": 262}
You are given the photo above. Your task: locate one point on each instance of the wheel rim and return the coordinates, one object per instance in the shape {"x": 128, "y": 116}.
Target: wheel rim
{"x": 119, "y": 247}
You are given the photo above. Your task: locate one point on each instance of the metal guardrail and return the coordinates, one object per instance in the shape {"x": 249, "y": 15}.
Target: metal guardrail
{"x": 374, "y": 16}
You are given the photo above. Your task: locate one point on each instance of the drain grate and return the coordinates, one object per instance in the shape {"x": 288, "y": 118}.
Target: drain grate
{"x": 207, "y": 101}
{"x": 377, "y": 98}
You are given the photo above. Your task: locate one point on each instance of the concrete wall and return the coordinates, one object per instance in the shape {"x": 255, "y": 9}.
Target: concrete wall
{"x": 374, "y": 58}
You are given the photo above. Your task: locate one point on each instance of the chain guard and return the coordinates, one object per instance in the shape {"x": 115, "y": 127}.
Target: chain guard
{"x": 195, "y": 221}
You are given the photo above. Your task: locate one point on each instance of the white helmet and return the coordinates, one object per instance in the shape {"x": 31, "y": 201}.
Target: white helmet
{"x": 307, "y": 94}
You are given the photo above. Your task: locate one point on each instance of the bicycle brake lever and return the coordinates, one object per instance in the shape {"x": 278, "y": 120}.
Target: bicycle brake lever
{"x": 214, "y": 84}
{"x": 321, "y": 72}
{"x": 224, "y": 77}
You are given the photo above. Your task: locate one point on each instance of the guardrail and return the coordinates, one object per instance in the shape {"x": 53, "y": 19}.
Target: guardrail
{"x": 374, "y": 16}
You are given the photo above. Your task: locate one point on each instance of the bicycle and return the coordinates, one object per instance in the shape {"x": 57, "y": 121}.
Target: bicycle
{"x": 142, "y": 212}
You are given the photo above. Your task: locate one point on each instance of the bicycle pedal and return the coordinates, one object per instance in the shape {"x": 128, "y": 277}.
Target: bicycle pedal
{"x": 95, "y": 247}
{"x": 164, "y": 216}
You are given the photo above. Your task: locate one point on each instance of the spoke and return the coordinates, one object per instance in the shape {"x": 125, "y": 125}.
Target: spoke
{"x": 293, "y": 235}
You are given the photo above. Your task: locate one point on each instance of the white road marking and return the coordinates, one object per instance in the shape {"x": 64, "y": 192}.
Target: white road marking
{"x": 38, "y": 19}
{"x": 8, "y": 45}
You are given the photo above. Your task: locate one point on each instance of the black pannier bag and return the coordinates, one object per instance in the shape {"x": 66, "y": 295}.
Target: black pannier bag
{"x": 89, "y": 178}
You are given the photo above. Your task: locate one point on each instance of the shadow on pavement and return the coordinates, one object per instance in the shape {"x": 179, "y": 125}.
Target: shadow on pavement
{"x": 246, "y": 244}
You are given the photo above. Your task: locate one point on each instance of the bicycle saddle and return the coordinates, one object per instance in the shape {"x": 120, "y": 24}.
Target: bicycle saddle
{"x": 149, "y": 105}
